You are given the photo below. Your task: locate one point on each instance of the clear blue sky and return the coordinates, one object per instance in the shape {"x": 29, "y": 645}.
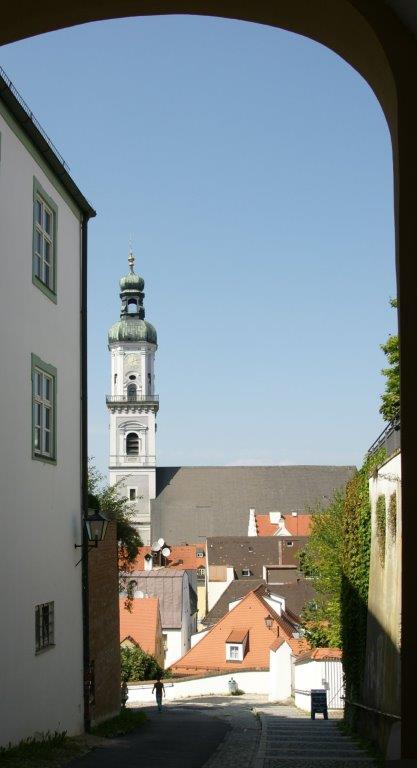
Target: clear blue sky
{"x": 253, "y": 169}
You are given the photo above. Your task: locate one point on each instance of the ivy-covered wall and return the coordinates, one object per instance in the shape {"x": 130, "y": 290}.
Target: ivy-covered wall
{"x": 355, "y": 579}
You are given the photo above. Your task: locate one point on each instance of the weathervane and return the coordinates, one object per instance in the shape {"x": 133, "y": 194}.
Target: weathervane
{"x": 131, "y": 258}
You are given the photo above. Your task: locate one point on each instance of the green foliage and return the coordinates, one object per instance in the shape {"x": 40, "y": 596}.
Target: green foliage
{"x": 127, "y": 721}
{"x": 392, "y": 515}
{"x": 113, "y": 504}
{"x": 355, "y": 574}
{"x": 139, "y": 665}
{"x": 381, "y": 517}
{"x": 321, "y": 560}
{"x": 237, "y": 692}
{"x": 46, "y": 750}
{"x": 390, "y": 400}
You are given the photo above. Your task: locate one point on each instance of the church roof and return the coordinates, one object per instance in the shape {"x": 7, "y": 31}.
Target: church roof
{"x": 193, "y": 503}
{"x": 132, "y": 329}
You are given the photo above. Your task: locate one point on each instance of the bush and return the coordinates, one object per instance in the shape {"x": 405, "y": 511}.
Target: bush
{"x": 139, "y": 665}
{"x": 392, "y": 515}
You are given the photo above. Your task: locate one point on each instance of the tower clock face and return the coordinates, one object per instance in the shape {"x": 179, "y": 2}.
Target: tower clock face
{"x": 132, "y": 360}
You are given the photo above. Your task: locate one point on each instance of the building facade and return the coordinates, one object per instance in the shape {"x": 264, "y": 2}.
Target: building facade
{"x": 132, "y": 403}
{"x": 43, "y": 236}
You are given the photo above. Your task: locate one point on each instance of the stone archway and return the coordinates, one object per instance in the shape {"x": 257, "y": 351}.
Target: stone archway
{"x": 379, "y": 39}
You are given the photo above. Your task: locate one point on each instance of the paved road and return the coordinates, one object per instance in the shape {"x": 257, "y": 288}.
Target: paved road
{"x": 184, "y": 735}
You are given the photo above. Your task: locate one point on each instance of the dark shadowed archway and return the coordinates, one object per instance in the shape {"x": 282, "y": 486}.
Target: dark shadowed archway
{"x": 379, "y": 39}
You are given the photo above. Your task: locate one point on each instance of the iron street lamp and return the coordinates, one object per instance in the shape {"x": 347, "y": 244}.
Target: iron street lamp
{"x": 95, "y": 526}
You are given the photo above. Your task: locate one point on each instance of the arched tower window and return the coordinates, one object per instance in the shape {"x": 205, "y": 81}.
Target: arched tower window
{"x": 132, "y": 392}
{"x": 132, "y": 444}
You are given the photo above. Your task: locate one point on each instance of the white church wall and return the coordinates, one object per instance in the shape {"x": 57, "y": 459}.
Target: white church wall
{"x": 40, "y": 501}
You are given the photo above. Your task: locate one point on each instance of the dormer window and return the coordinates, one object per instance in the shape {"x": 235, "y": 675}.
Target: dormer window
{"x": 290, "y": 543}
{"x": 246, "y": 572}
{"x": 237, "y": 645}
{"x": 200, "y": 553}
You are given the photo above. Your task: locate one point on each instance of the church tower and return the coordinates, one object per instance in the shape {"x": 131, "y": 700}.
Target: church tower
{"x": 132, "y": 403}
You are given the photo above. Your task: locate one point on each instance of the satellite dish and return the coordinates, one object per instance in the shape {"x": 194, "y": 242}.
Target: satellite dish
{"x": 166, "y": 551}
{"x": 161, "y": 543}
{"x": 156, "y": 546}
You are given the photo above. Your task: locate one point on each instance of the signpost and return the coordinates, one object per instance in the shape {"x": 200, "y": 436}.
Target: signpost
{"x": 318, "y": 703}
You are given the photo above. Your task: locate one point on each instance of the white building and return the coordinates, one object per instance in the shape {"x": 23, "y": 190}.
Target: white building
{"x": 132, "y": 403}
{"x": 43, "y": 239}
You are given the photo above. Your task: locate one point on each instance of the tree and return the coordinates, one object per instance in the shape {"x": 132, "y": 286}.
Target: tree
{"x": 321, "y": 560}
{"x": 139, "y": 665}
{"x": 114, "y": 505}
{"x": 390, "y": 400}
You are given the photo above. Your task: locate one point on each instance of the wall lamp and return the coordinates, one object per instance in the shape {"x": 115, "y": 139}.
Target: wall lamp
{"x": 95, "y": 526}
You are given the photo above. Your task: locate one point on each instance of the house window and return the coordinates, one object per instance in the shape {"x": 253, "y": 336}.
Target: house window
{"x": 45, "y": 215}
{"x": 43, "y": 410}
{"x": 246, "y": 572}
{"x": 234, "y": 652}
{"x": 290, "y": 543}
{"x": 44, "y": 626}
{"x": 132, "y": 494}
{"x": 201, "y": 574}
{"x": 200, "y": 553}
{"x": 132, "y": 444}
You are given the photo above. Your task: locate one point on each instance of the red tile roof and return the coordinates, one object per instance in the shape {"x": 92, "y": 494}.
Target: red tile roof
{"x": 321, "y": 654}
{"x": 237, "y": 636}
{"x": 247, "y": 617}
{"x": 296, "y": 525}
{"x": 142, "y": 624}
{"x": 182, "y": 556}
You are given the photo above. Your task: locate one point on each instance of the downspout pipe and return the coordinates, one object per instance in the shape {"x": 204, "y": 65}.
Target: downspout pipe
{"x": 84, "y": 476}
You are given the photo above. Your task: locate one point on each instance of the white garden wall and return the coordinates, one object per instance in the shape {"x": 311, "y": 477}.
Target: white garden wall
{"x": 318, "y": 674}
{"x": 248, "y": 682}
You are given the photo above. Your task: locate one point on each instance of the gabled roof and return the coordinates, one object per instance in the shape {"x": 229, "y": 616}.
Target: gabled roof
{"x": 141, "y": 623}
{"x": 295, "y": 594}
{"x": 248, "y": 617}
{"x": 167, "y": 585}
{"x": 197, "y": 502}
{"x": 296, "y": 525}
{"x": 252, "y": 552}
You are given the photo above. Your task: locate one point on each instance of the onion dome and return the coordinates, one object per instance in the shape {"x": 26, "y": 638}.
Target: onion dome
{"x": 132, "y": 325}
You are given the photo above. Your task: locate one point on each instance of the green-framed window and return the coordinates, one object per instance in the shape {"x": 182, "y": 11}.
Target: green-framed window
{"x": 45, "y": 227}
{"x": 44, "y": 404}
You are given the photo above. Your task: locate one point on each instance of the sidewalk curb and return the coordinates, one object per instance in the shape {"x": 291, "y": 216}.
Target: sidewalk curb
{"x": 259, "y": 758}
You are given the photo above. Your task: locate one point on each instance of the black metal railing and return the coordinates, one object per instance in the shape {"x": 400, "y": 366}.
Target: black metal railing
{"x": 390, "y": 439}
{"x": 132, "y": 398}
{"x": 32, "y": 117}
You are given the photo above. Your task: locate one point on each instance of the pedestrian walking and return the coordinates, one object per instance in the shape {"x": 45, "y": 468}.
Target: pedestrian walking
{"x": 159, "y": 688}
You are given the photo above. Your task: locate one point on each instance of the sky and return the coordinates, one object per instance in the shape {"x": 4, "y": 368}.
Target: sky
{"x": 253, "y": 170}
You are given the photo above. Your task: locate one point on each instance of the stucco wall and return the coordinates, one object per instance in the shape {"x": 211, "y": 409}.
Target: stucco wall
{"x": 249, "y": 682}
{"x": 280, "y": 673}
{"x": 40, "y": 502}
{"x": 381, "y": 688}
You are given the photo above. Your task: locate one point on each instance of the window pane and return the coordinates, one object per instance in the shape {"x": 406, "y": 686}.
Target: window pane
{"x": 47, "y": 412}
{"x": 47, "y": 274}
{"x": 47, "y": 251}
{"x": 47, "y": 441}
{"x": 38, "y": 242}
{"x": 38, "y": 415}
{"x": 36, "y": 383}
{"x": 48, "y": 221}
{"x": 37, "y": 439}
{"x": 37, "y": 266}
{"x": 47, "y": 388}
{"x": 38, "y": 211}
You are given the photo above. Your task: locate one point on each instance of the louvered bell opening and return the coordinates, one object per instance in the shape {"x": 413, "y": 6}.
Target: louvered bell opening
{"x": 132, "y": 444}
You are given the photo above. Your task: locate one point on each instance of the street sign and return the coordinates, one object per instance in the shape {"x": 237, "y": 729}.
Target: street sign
{"x": 318, "y": 703}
